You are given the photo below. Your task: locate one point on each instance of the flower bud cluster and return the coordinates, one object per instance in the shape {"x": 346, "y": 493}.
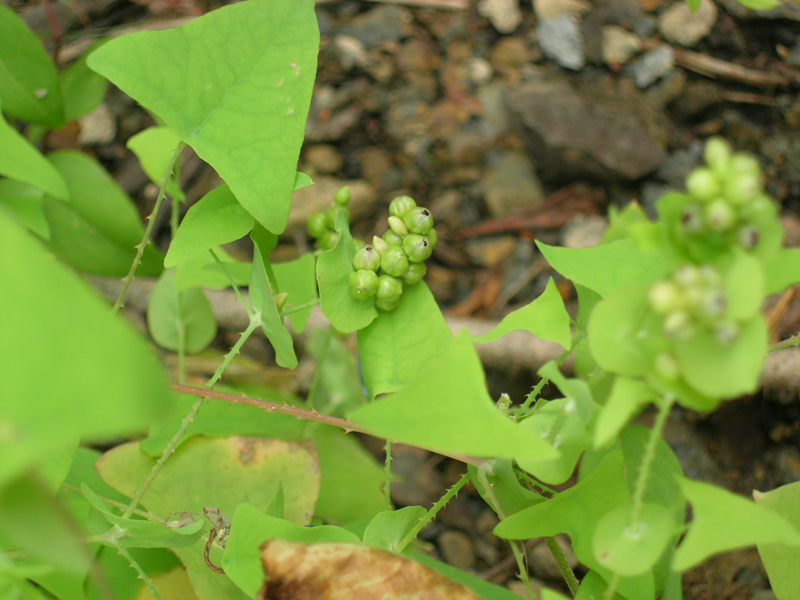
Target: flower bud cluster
{"x": 692, "y": 299}
{"x": 396, "y": 259}
{"x": 727, "y": 195}
{"x": 320, "y": 225}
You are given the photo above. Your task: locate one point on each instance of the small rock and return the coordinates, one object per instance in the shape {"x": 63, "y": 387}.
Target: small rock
{"x": 542, "y": 563}
{"x": 678, "y": 24}
{"x": 418, "y": 483}
{"x": 324, "y": 158}
{"x": 504, "y": 15}
{"x": 510, "y": 184}
{"x": 318, "y": 197}
{"x": 479, "y": 70}
{"x": 517, "y": 587}
{"x": 383, "y": 24}
{"x": 691, "y": 451}
{"x": 548, "y": 9}
{"x": 490, "y": 252}
{"x": 456, "y": 549}
{"x": 763, "y": 595}
{"x": 351, "y": 51}
{"x": 619, "y": 45}
{"x": 652, "y": 66}
{"x": 560, "y": 40}
{"x": 98, "y": 127}
{"x": 508, "y": 55}
{"x": 583, "y": 232}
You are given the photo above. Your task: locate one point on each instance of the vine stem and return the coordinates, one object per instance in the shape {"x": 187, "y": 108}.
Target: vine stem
{"x": 139, "y": 571}
{"x": 387, "y": 471}
{"x": 431, "y": 514}
{"x": 289, "y": 311}
{"x": 649, "y": 456}
{"x": 563, "y": 564}
{"x": 787, "y": 343}
{"x": 187, "y": 420}
{"x": 151, "y": 220}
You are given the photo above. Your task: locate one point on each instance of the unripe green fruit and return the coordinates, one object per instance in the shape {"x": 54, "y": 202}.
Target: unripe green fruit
{"x": 387, "y": 305}
{"x": 664, "y": 297}
{"x": 667, "y": 367}
{"x": 419, "y": 221}
{"x": 712, "y": 304}
{"x": 363, "y": 284}
{"x": 394, "y": 262}
{"x": 397, "y": 226}
{"x": 342, "y": 196}
{"x": 358, "y": 243}
{"x": 719, "y": 215}
{"x": 710, "y": 276}
{"x": 717, "y": 153}
{"x": 367, "y": 258}
{"x": 703, "y": 184}
{"x": 678, "y": 324}
{"x": 692, "y": 219}
{"x": 415, "y": 273}
{"x": 747, "y": 237}
{"x": 316, "y": 225}
{"x": 688, "y": 276}
{"x": 392, "y": 239}
{"x": 744, "y": 164}
{"x": 379, "y": 244}
{"x": 400, "y": 206}
{"x": 756, "y": 208}
{"x": 417, "y": 248}
{"x": 328, "y": 240}
{"x": 332, "y": 213}
{"x": 433, "y": 237}
{"x": 741, "y": 188}
{"x": 389, "y": 288}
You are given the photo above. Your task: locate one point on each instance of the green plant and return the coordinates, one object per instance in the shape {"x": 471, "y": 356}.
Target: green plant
{"x": 669, "y": 314}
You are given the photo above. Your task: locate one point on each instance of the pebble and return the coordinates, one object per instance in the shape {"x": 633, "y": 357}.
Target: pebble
{"x": 504, "y": 15}
{"x": 560, "y": 40}
{"x": 383, "y": 24}
{"x": 652, "y": 66}
{"x": 517, "y": 587}
{"x": 508, "y": 55}
{"x": 542, "y": 563}
{"x": 681, "y": 26}
{"x": 490, "y": 252}
{"x": 548, "y": 9}
{"x": 324, "y": 158}
{"x": 511, "y": 184}
{"x": 479, "y": 70}
{"x": 583, "y": 232}
{"x": 318, "y": 197}
{"x": 619, "y": 45}
{"x": 351, "y": 51}
{"x": 457, "y": 549}
{"x": 98, "y": 127}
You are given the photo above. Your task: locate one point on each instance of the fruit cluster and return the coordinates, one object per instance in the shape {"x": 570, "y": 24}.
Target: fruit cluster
{"x": 395, "y": 259}
{"x": 691, "y": 299}
{"x": 320, "y": 225}
{"x": 727, "y": 195}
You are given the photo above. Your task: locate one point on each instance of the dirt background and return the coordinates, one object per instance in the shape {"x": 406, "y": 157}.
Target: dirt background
{"x": 514, "y": 122}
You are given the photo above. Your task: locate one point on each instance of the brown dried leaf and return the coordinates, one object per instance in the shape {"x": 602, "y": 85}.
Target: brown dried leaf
{"x": 349, "y": 572}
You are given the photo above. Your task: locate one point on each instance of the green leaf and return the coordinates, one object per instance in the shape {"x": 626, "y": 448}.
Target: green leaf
{"x": 240, "y": 101}
{"x": 497, "y": 483}
{"x": 250, "y": 528}
{"x": 203, "y": 271}
{"x": 81, "y": 88}
{"x": 102, "y": 379}
{"x": 724, "y": 371}
{"x": 388, "y": 528}
{"x": 781, "y": 560}
{"x": 627, "y": 398}
{"x": 448, "y": 410}
{"x": 98, "y": 229}
{"x": 398, "y": 345}
{"x": 743, "y": 286}
{"x": 302, "y": 180}
{"x": 573, "y": 389}
{"x": 723, "y": 521}
{"x": 298, "y": 279}
{"x": 693, "y": 4}
{"x": 607, "y": 267}
{"x": 263, "y": 303}
{"x": 350, "y": 477}
{"x": 154, "y": 147}
{"x": 221, "y": 419}
{"x": 343, "y": 311}
{"x": 782, "y": 271}
{"x": 27, "y": 203}
{"x": 545, "y": 318}
{"x": 20, "y": 161}
{"x": 134, "y": 533}
{"x": 180, "y": 318}
{"x": 759, "y": 4}
{"x": 484, "y": 589}
{"x": 217, "y": 218}
{"x": 28, "y": 81}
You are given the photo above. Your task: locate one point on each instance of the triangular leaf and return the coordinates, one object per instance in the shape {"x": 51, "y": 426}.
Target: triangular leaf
{"x": 780, "y": 560}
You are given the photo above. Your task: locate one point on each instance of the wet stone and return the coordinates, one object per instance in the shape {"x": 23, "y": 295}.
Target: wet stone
{"x": 679, "y": 25}
{"x": 560, "y": 40}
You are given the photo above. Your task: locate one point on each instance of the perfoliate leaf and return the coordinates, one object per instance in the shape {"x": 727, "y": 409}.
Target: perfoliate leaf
{"x": 781, "y": 560}
{"x": 154, "y": 148}
{"x": 388, "y": 528}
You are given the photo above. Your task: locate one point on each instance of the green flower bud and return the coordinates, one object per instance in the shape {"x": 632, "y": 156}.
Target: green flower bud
{"x": 747, "y": 237}
{"x": 692, "y": 219}
{"x": 363, "y": 284}
{"x": 400, "y": 206}
{"x": 504, "y": 403}
{"x": 396, "y": 224}
{"x": 394, "y": 262}
{"x": 667, "y": 367}
{"x": 367, "y": 258}
{"x": 392, "y": 239}
{"x": 717, "y": 154}
{"x": 726, "y": 331}
{"x": 710, "y": 276}
{"x": 387, "y": 305}
{"x": 703, "y": 184}
{"x": 415, "y": 273}
{"x": 712, "y": 304}
{"x": 328, "y": 240}
{"x": 741, "y": 188}
{"x": 280, "y": 300}
{"x": 417, "y": 248}
{"x": 332, "y": 213}
{"x": 756, "y": 208}
{"x": 379, "y": 244}
{"x": 316, "y": 225}
{"x": 433, "y": 237}
{"x": 719, "y": 215}
{"x": 359, "y": 243}
{"x": 419, "y": 221}
{"x": 342, "y": 196}
{"x": 389, "y": 288}
{"x": 688, "y": 276}
{"x": 664, "y": 297}
{"x": 678, "y": 324}
{"x": 744, "y": 164}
